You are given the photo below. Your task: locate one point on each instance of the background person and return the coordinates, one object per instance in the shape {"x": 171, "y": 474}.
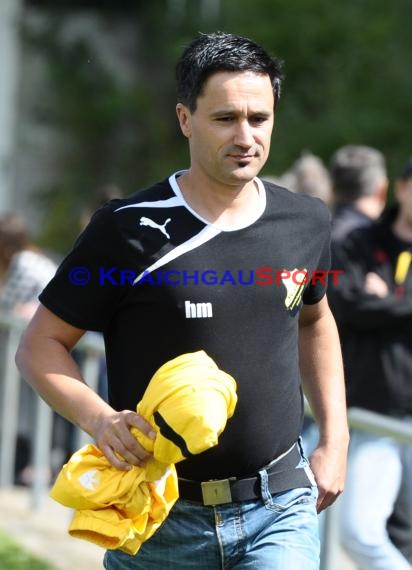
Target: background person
{"x": 308, "y": 175}
{"x": 360, "y": 187}
{"x": 373, "y": 302}
{"x": 24, "y": 269}
{"x": 24, "y": 272}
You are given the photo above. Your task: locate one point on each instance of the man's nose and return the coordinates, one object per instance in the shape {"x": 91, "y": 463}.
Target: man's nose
{"x": 244, "y": 134}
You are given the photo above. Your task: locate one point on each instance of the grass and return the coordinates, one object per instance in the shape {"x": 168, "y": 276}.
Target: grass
{"x": 13, "y": 557}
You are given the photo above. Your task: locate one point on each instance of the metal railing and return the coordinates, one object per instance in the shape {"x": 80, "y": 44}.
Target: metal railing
{"x": 92, "y": 349}
{"x": 376, "y": 424}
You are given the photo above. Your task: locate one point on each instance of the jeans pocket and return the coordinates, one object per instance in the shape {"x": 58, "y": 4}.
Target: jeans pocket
{"x": 300, "y": 496}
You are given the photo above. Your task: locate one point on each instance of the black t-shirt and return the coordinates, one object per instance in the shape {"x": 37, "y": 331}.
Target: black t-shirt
{"x": 163, "y": 281}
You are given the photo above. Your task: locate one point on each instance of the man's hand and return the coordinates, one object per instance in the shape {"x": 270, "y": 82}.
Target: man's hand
{"x": 329, "y": 467}
{"x": 375, "y": 285}
{"x": 115, "y": 440}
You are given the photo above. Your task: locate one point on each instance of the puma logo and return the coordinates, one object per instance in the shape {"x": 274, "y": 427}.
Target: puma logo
{"x": 148, "y": 222}
{"x": 89, "y": 480}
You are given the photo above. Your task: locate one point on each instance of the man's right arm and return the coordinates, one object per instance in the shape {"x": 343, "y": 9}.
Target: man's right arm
{"x": 45, "y": 362}
{"x": 356, "y": 299}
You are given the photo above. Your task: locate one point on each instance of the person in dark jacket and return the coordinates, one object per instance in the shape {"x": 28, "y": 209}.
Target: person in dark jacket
{"x": 359, "y": 185}
{"x": 372, "y": 303}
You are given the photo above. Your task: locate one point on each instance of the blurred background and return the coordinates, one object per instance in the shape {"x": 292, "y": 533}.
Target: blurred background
{"x": 87, "y": 92}
{"x": 87, "y": 112}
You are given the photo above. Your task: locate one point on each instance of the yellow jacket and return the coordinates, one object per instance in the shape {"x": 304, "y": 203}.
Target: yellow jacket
{"x": 188, "y": 401}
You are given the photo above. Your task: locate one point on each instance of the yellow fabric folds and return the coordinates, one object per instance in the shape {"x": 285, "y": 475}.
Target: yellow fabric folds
{"x": 188, "y": 402}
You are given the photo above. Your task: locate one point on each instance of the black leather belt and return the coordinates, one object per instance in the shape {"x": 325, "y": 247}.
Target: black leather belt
{"x": 282, "y": 476}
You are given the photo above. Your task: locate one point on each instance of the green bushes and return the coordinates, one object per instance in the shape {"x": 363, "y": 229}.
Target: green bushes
{"x": 13, "y": 557}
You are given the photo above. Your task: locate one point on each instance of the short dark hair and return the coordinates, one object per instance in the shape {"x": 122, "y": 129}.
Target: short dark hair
{"x": 211, "y": 53}
{"x": 356, "y": 171}
{"x": 406, "y": 172}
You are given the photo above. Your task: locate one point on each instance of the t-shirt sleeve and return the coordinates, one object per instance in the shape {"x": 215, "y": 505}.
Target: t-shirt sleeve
{"x": 79, "y": 293}
{"x": 318, "y": 277}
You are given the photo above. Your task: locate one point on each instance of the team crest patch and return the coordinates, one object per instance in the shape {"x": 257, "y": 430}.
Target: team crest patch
{"x": 295, "y": 285}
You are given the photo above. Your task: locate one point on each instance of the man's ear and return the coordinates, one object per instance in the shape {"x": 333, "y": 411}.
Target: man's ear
{"x": 399, "y": 190}
{"x": 383, "y": 190}
{"x": 184, "y": 117}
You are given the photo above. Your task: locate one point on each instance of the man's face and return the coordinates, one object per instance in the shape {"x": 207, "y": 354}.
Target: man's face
{"x": 229, "y": 132}
{"x": 404, "y": 197}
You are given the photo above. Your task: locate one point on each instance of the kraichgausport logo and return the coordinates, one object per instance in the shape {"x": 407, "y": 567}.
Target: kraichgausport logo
{"x": 294, "y": 280}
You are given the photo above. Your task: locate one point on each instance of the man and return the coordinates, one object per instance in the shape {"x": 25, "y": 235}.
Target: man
{"x": 373, "y": 302}
{"x": 199, "y": 249}
{"x": 308, "y": 175}
{"x": 360, "y": 186}
{"x": 24, "y": 272}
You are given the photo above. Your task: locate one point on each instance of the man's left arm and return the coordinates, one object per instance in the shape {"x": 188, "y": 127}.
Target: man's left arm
{"x": 324, "y": 386}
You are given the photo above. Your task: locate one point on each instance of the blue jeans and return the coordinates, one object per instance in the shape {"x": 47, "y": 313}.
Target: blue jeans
{"x": 373, "y": 479}
{"x": 278, "y": 532}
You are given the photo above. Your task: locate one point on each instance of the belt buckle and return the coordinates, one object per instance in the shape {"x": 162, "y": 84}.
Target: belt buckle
{"x": 216, "y": 492}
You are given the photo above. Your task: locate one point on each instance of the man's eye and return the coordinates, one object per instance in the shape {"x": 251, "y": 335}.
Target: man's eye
{"x": 257, "y": 120}
{"x": 225, "y": 119}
